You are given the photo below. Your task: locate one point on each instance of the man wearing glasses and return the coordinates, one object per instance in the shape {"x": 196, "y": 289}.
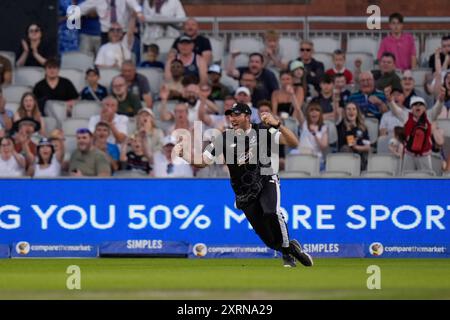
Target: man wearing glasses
{"x": 314, "y": 69}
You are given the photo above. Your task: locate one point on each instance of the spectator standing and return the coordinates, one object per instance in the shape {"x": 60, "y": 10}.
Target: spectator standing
{"x": 90, "y": 32}
{"x": 33, "y": 52}
{"x": 161, "y": 9}
{"x": 400, "y": 44}
{"x": 273, "y": 57}
{"x": 202, "y": 45}
{"x": 87, "y": 160}
{"x": 386, "y": 76}
{"x": 389, "y": 120}
{"x": 68, "y": 38}
{"x": 314, "y": 69}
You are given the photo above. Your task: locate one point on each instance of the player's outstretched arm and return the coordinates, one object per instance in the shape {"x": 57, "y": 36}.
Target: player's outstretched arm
{"x": 189, "y": 158}
{"x": 287, "y": 136}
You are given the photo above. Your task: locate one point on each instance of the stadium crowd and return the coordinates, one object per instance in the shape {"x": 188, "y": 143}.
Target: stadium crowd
{"x": 132, "y": 131}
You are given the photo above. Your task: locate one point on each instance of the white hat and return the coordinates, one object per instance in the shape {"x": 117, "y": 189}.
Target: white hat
{"x": 416, "y": 99}
{"x": 148, "y": 111}
{"x": 215, "y": 68}
{"x": 243, "y": 90}
{"x": 169, "y": 140}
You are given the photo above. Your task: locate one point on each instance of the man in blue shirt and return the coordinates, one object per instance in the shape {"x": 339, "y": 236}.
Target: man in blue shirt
{"x": 90, "y": 40}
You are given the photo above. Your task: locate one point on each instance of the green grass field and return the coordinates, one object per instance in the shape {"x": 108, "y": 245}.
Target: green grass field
{"x": 224, "y": 279}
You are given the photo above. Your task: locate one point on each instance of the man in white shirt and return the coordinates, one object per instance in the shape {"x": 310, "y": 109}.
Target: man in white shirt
{"x": 389, "y": 120}
{"x": 111, "y": 11}
{"x": 118, "y": 123}
{"x": 168, "y": 166}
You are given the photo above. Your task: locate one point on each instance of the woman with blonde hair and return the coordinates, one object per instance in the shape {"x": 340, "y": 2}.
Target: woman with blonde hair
{"x": 146, "y": 126}
{"x": 29, "y": 108}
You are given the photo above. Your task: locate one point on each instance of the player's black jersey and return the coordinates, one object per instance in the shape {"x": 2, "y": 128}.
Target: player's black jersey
{"x": 248, "y": 157}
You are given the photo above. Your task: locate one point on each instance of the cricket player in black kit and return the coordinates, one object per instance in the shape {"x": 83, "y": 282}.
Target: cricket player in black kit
{"x": 247, "y": 150}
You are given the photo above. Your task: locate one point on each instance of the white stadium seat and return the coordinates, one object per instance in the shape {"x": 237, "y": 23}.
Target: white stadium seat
{"x": 85, "y": 109}
{"x": 419, "y": 76}
{"x": 106, "y": 76}
{"x": 383, "y": 145}
{"x": 383, "y": 163}
{"x": 372, "y": 128}
{"x": 12, "y": 106}
{"x": 11, "y": 55}
{"x": 50, "y": 124}
{"x": 444, "y": 124}
{"x": 326, "y": 44}
{"x": 57, "y": 110}
{"x": 290, "y": 48}
{"x": 419, "y": 174}
{"x": 246, "y": 44}
{"x": 75, "y": 75}
{"x": 70, "y": 126}
{"x": 335, "y": 174}
{"x": 70, "y": 144}
{"x": 77, "y": 60}
{"x": 436, "y": 162}
{"x": 28, "y": 76}
{"x": 332, "y": 132}
{"x": 14, "y": 93}
{"x": 431, "y": 43}
{"x": 154, "y": 77}
{"x": 344, "y": 162}
{"x": 363, "y": 44}
{"x": 294, "y": 174}
{"x": 376, "y": 174}
{"x": 164, "y": 44}
{"x": 308, "y": 164}
{"x": 324, "y": 57}
{"x": 218, "y": 49}
{"x": 366, "y": 58}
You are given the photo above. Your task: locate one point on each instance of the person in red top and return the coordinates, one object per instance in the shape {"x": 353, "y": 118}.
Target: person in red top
{"x": 400, "y": 43}
{"x": 339, "y": 66}
{"x": 417, "y": 129}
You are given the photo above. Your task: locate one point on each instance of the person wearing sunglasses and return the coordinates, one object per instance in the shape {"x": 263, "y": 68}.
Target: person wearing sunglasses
{"x": 409, "y": 90}
{"x": 33, "y": 51}
{"x": 314, "y": 68}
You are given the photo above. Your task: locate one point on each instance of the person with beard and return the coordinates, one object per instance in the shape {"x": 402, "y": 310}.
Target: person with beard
{"x": 87, "y": 160}
{"x": 129, "y": 103}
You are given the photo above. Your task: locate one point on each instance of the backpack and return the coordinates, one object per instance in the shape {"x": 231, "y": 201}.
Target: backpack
{"x": 417, "y": 141}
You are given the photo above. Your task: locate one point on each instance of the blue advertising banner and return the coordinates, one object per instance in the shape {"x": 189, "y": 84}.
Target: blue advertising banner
{"x": 322, "y": 213}
{"x": 144, "y": 247}
{"x": 4, "y": 251}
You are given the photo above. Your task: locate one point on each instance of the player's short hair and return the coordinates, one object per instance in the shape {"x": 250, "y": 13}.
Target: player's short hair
{"x": 397, "y": 16}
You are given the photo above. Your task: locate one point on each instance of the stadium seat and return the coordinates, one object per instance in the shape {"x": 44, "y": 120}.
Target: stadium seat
{"x": 366, "y": 58}
{"x": 294, "y": 174}
{"x": 70, "y": 126}
{"x": 57, "y": 110}
{"x": 419, "y": 174}
{"x": 325, "y": 58}
{"x": 436, "y": 162}
{"x": 363, "y": 44}
{"x": 444, "y": 124}
{"x": 218, "y": 49}
{"x": 325, "y": 44}
{"x": 332, "y": 132}
{"x": 28, "y": 76}
{"x": 14, "y": 93}
{"x": 376, "y": 174}
{"x": 154, "y": 77}
{"x": 383, "y": 163}
{"x": 75, "y": 75}
{"x": 246, "y": 44}
{"x": 431, "y": 43}
{"x": 12, "y": 106}
{"x": 446, "y": 174}
{"x": 289, "y": 48}
{"x": 130, "y": 174}
{"x": 344, "y": 162}
{"x": 306, "y": 163}
{"x": 132, "y": 125}
{"x": 419, "y": 76}
{"x": 50, "y": 124}
{"x": 164, "y": 44}
{"x": 372, "y": 127}
{"x": 383, "y": 145}
{"x": 11, "y": 55}
{"x": 85, "y": 109}
{"x": 76, "y": 60}
{"x": 70, "y": 144}
{"x": 106, "y": 76}
{"x": 240, "y": 61}
{"x": 335, "y": 174}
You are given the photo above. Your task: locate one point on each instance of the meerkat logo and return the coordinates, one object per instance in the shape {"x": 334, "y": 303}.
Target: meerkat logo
{"x": 23, "y": 248}
{"x": 200, "y": 250}
{"x": 376, "y": 249}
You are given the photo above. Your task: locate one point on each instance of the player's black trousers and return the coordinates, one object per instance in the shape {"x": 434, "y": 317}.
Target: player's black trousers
{"x": 265, "y": 216}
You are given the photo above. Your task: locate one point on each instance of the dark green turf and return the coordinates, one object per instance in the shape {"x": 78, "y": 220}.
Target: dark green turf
{"x": 224, "y": 279}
